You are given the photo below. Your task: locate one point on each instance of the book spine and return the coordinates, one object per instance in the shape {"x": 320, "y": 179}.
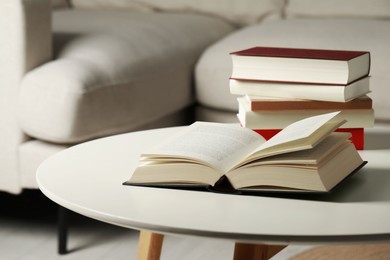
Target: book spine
{"x": 273, "y": 105}
{"x": 357, "y": 137}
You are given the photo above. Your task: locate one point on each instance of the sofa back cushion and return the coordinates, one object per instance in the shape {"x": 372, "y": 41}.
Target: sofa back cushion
{"x": 339, "y": 8}
{"x": 108, "y": 79}
{"x": 239, "y": 12}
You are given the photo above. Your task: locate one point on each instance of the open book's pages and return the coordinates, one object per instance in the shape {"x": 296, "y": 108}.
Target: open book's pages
{"x": 215, "y": 145}
{"x": 318, "y": 169}
{"x": 174, "y": 173}
{"x": 301, "y": 135}
{"x": 200, "y": 154}
{"x": 304, "y": 155}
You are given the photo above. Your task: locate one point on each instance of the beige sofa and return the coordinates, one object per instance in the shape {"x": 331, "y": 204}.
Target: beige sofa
{"x": 72, "y": 72}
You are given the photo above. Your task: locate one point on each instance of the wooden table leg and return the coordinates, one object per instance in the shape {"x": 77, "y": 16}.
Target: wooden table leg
{"x": 150, "y": 245}
{"x": 244, "y": 251}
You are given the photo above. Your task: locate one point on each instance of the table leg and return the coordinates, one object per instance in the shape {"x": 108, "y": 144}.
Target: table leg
{"x": 244, "y": 251}
{"x": 62, "y": 233}
{"x": 150, "y": 245}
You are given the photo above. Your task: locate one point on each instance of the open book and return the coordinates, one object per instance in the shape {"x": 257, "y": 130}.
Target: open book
{"x": 305, "y": 156}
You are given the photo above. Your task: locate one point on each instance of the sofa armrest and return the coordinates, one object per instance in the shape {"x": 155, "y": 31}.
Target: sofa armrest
{"x": 25, "y": 43}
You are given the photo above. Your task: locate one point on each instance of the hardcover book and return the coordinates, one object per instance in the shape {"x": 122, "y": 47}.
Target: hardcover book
{"x": 322, "y": 92}
{"x": 300, "y": 65}
{"x": 356, "y": 118}
{"x": 305, "y": 156}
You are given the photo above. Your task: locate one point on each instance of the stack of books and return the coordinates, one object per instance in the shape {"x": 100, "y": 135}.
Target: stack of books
{"x": 278, "y": 86}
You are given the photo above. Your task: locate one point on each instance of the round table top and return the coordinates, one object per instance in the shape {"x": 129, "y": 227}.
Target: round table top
{"x": 87, "y": 179}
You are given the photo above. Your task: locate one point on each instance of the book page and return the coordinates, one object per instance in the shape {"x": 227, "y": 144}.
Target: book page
{"x": 300, "y": 130}
{"x": 215, "y": 144}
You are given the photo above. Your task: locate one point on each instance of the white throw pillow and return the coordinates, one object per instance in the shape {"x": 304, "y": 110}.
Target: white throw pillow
{"x": 240, "y": 12}
{"x": 339, "y": 8}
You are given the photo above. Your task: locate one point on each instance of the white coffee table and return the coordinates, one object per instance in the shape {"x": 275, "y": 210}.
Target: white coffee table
{"x": 88, "y": 178}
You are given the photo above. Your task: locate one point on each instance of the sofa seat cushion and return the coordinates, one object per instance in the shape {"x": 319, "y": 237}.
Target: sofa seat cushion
{"x": 214, "y": 68}
{"x": 114, "y": 72}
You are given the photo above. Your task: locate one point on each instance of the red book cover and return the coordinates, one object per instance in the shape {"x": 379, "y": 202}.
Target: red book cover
{"x": 357, "y": 137}
{"x": 343, "y": 55}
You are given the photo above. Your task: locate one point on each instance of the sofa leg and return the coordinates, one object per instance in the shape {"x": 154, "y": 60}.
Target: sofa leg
{"x": 63, "y": 222}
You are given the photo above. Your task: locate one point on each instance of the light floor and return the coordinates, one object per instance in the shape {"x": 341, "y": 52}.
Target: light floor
{"x": 28, "y": 231}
